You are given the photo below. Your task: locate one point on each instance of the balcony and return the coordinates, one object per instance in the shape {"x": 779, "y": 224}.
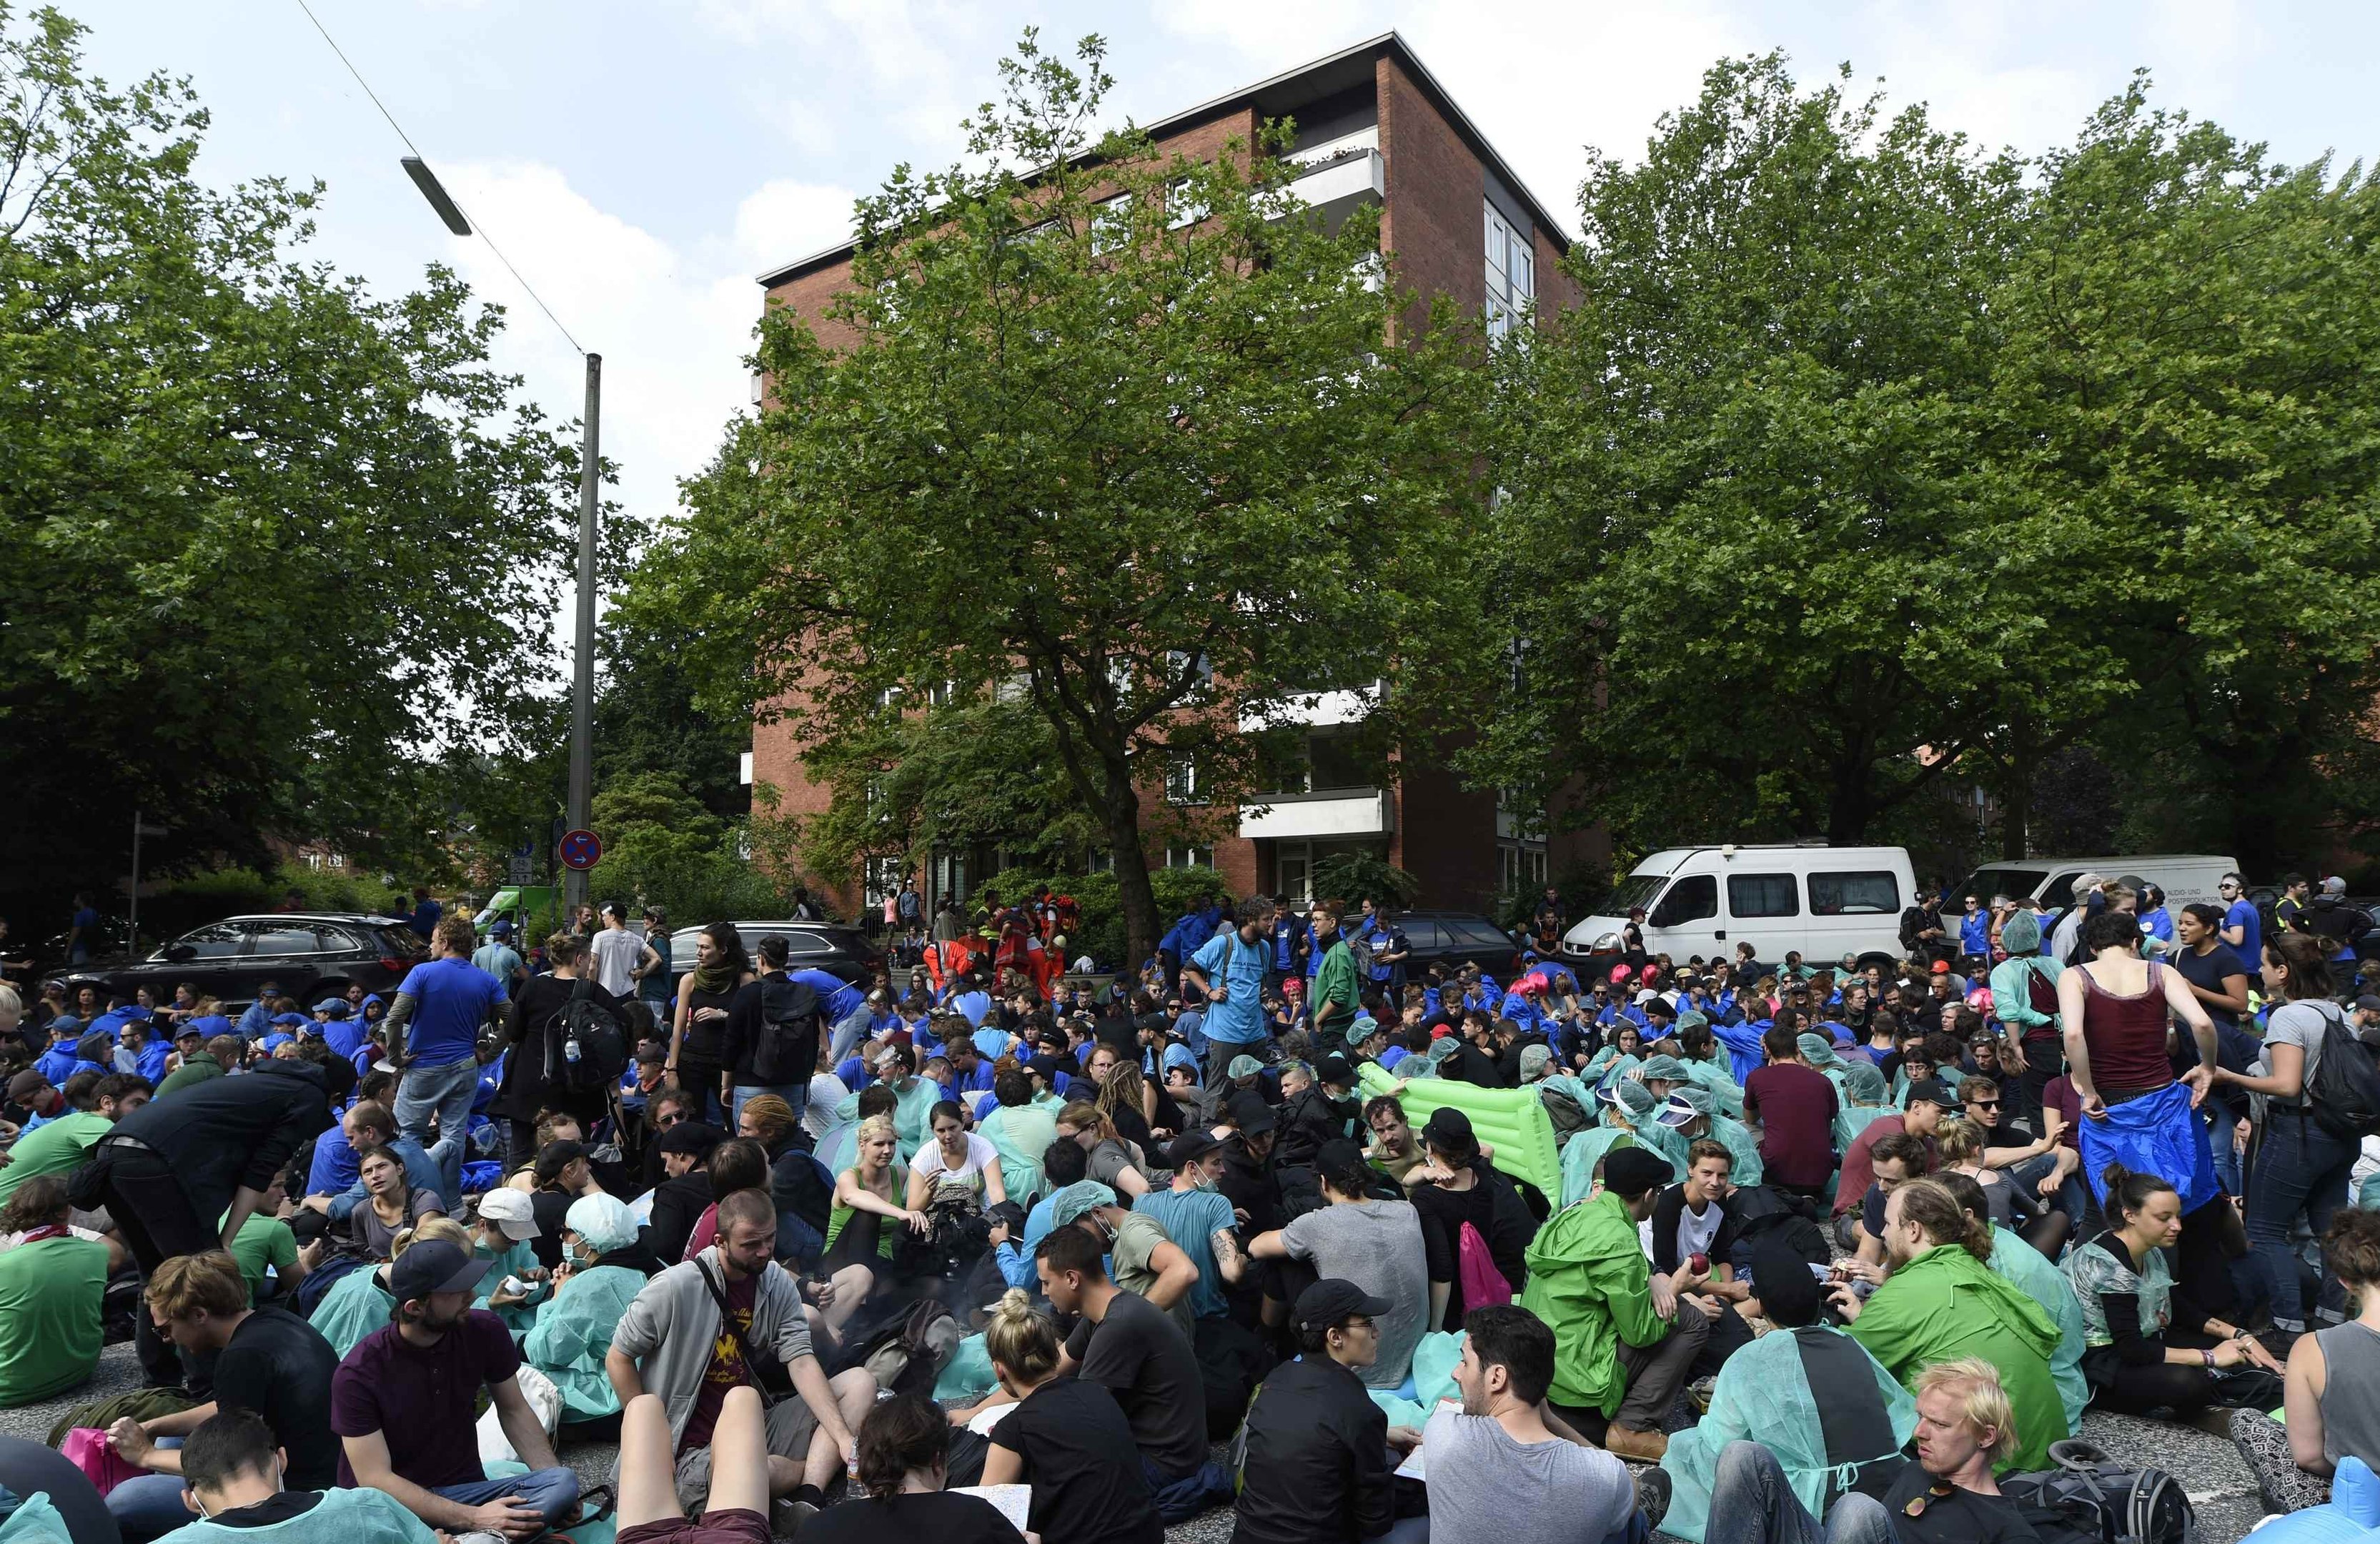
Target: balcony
{"x": 1334, "y": 187}
{"x": 1332, "y": 813}
{"x": 1321, "y": 710}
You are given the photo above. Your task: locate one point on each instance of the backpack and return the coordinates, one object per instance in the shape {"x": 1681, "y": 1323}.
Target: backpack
{"x": 2088, "y": 1499}
{"x": 2345, "y": 1092}
{"x": 1483, "y": 1284}
{"x": 1360, "y": 946}
{"x": 785, "y": 1048}
{"x": 586, "y": 1046}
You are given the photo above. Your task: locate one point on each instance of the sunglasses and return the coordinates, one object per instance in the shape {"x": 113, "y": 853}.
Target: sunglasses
{"x": 672, "y": 1118}
{"x": 1983, "y": 1104}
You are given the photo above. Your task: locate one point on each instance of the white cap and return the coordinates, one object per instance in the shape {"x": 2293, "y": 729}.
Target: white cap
{"x": 510, "y": 1210}
{"x": 2334, "y": 886}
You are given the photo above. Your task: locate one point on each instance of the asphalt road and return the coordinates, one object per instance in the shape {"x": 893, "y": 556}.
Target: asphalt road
{"x": 2208, "y": 1467}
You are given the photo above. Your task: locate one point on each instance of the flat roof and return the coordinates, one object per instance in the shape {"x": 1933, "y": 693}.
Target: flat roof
{"x": 1280, "y": 96}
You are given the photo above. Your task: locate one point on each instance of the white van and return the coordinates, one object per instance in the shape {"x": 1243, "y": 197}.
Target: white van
{"x": 2184, "y": 878}
{"x": 1826, "y": 901}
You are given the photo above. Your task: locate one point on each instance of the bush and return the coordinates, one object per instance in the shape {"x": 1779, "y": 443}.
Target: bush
{"x": 1101, "y": 934}
{"x": 693, "y": 887}
{"x": 1350, "y": 877}
{"x": 181, "y": 905}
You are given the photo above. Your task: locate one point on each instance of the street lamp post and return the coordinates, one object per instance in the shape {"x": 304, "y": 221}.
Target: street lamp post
{"x": 582, "y": 670}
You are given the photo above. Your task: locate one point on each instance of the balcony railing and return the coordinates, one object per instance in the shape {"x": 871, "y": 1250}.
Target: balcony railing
{"x": 1332, "y": 813}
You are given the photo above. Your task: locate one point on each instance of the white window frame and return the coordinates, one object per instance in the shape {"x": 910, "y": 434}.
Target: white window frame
{"x": 1182, "y": 778}
{"x": 1182, "y": 210}
{"x": 1110, "y": 224}
{"x": 1190, "y": 857}
{"x": 1511, "y": 272}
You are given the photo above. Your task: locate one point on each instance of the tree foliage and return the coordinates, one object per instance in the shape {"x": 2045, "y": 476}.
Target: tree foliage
{"x": 1867, "y": 458}
{"x": 1103, "y": 425}
{"x": 264, "y": 533}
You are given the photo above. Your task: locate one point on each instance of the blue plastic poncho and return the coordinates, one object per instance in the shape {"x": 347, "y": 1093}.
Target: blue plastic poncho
{"x": 572, "y": 1332}
{"x": 351, "y": 1516}
{"x": 355, "y": 1306}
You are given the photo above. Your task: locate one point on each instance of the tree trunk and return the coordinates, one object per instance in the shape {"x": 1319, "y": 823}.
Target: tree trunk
{"x": 2016, "y": 812}
{"x": 1121, "y": 808}
{"x": 1849, "y": 809}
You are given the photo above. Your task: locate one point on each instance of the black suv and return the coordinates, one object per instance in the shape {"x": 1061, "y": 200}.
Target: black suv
{"x": 310, "y": 955}
{"x": 1454, "y": 939}
{"x": 843, "y": 952}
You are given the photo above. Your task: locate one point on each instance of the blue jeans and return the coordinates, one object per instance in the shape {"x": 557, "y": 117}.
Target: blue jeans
{"x": 846, "y": 1034}
{"x": 445, "y": 1091}
{"x": 553, "y": 1491}
{"x": 2301, "y": 1169}
{"x": 147, "y": 1506}
{"x": 796, "y": 1094}
{"x": 1752, "y": 1503}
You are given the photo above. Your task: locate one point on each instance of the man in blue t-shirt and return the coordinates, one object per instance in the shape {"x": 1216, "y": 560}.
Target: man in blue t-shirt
{"x": 1230, "y": 970}
{"x": 436, "y": 1020}
{"x": 2242, "y": 928}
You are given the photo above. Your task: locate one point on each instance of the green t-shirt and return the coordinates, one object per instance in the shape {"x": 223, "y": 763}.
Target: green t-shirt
{"x": 51, "y": 1149}
{"x": 50, "y": 1297}
{"x": 262, "y": 1240}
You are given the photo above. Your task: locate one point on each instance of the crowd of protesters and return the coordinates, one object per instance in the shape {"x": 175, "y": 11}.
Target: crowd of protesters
{"x": 1736, "y": 1248}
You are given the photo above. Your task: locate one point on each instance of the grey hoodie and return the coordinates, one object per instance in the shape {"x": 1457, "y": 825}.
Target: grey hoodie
{"x": 671, "y": 1329}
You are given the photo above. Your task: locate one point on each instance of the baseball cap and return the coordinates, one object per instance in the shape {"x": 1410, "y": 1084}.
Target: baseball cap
{"x": 1448, "y": 1125}
{"x": 1189, "y": 1148}
{"x": 1341, "y": 1162}
{"x": 1251, "y": 1114}
{"x": 1931, "y": 1091}
{"x": 1332, "y": 1301}
{"x": 434, "y": 1265}
{"x": 1534, "y": 1060}
{"x": 1941, "y": 967}
{"x": 21, "y": 1087}
{"x": 2368, "y": 1003}
{"x": 1634, "y": 1170}
{"x": 189, "y": 1032}
{"x": 1677, "y": 1110}
{"x": 689, "y": 1136}
{"x": 1333, "y": 1069}
{"x": 330, "y": 1005}
{"x": 510, "y": 1210}
{"x": 2334, "y": 886}
{"x": 501, "y": 930}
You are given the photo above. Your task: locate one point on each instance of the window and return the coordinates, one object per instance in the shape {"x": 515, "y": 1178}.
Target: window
{"x": 1693, "y": 899}
{"x": 1182, "y": 778}
{"x": 1867, "y": 893}
{"x": 288, "y": 938}
{"x": 1293, "y": 873}
{"x": 887, "y": 697}
{"x": 1184, "y": 207}
{"x": 1762, "y": 895}
{"x": 941, "y": 694}
{"x": 1119, "y": 677}
{"x": 1179, "y": 666}
{"x": 1111, "y": 224}
{"x": 1189, "y": 857}
{"x": 1520, "y": 868}
{"x": 1511, "y": 273}
{"x": 1334, "y": 761}
{"x": 219, "y": 941}
{"x": 884, "y": 876}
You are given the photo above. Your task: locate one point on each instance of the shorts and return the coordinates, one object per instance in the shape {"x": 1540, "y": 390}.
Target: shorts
{"x": 790, "y": 1425}
{"x": 733, "y": 1525}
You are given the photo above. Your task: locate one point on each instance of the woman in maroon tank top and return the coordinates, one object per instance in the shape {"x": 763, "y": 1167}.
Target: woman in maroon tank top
{"x": 2115, "y": 1010}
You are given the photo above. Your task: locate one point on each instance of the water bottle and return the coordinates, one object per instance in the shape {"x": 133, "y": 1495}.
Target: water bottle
{"x": 570, "y": 1050}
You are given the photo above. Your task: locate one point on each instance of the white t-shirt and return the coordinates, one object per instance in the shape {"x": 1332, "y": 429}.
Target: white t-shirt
{"x": 616, "y": 952}
{"x": 980, "y": 1155}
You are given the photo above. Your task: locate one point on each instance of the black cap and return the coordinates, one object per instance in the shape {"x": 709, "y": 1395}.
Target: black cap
{"x": 1447, "y": 1127}
{"x": 2368, "y": 1003}
{"x": 434, "y": 1265}
{"x": 1341, "y": 1161}
{"x": 1189, "y": 1148}
{"x": 1333, "y": 1069}
{"x": 1634, "y": 1170}
{"x": 1332, "y": 1301}
{"x": 1932, "y": 1091}
{"x": 1251, "y": 1114}
{"x": 685, "y": 1136}
{"x": 1046, "y": 1065}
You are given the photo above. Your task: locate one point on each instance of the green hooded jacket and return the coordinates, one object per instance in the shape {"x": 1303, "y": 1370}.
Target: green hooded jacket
{"x": 1591, "y": 1284}
{"x": 1946, "y": 1304}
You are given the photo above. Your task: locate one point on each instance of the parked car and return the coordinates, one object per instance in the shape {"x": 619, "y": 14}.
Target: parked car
{"x": 2184, "y": 877}
{"x": 1457, "y": 938}
{"x": 829, "y": 946}
{"x": 310, "y": 955}
{"x": 1702, "y": 902}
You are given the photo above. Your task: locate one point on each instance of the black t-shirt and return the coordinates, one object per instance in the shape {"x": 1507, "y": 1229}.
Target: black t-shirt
{"x": 1141, "y": 1355}
{"x": 1473, "y": 1065}
{"x": 280, "y": 1366}
{"x": 1950, "y": 1516}
{"x": 935, "y": 1514}
{"x": 278, "y": 1508}
{"x": 1080, "y": 1458}
{"x": 2206, "y": 971}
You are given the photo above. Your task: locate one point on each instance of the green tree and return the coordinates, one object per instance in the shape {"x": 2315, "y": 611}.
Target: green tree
{"x": 1127, "y": 433}
{"x": 266, "y": 533}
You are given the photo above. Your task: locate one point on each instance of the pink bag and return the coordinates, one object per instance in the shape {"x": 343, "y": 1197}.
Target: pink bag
{"x": 87, "y": 1449}
{"x": 1483, "y": 1284}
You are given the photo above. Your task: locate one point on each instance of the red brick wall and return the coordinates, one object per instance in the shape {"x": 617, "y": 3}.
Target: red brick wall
{"x": 1431, "y": 221}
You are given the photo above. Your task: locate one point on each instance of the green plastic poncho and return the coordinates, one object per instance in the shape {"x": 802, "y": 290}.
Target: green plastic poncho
{"x": 517, "y": 1260}
{"x": 355, "y": 1306}
{"x": 913, "y": 1116}
{"x": 2020, "y": 1262}
{"x": 1762, "y": 1396}
{"x": 1946, "y": 1304}
{"x": 1582, "y": 1153}
{"x": 572, "y": 1332}
{"x": 351, "y": 1516}
{"x": 1021, "y": 1134}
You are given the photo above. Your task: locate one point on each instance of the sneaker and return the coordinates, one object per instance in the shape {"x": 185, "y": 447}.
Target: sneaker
{"x": 1698, "y": 1393}
{"x": 1653, "y": 1488}
{"x": 1641, "y": 1447}
{"x": 786, "y": 1517}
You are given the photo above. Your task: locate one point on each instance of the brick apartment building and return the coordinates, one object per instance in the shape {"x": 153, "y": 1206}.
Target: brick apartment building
{"x": 1373, "y": 127}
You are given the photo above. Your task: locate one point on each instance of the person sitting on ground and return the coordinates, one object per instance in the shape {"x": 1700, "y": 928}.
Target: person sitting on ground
{"x": 2023, "y": 1266}
{"x": 685, "y": 1192}
{"x": 1893, "y": 1162}
{"x": 334, "y": 1183}
{"x": 1456, "y": 1189}
{"x": 903, "y": 1459}
{"x": 1691, "y": 1222}
{"x": 393, "y": 1204}
{"x": 1794, "y": 1105}
{"x": 1198, "y": 1218}
{"x": 1020, "y": 1130}
{"x": 403, "y": 1405}
{"x": 676, "y": 1340}
{"x": 1965, "y": 1429}
{"x": 738, "y": 1506}
{"x": 53, "y": 1286}
{"x": 799, "y": 1185}
{"x": 1625, "y": 1344}
{"x": 1506, "y": 1468}
{"x": 1066, "y": 1438}
{"x": 956, "y": 1156}
{"x": 738, "y": 1163}
{"x": 265, "y": 1360}
{"x": 1961, "y": 1144}
{"x": 235, "y": 1475}
{"x": 1375, "y": 1242}
{"x": 1115, "y": 1162}
{"x": 1828, "y": 1413}
{"x": 61, "y": 1146}
{"x": 573, "y": 1329}
{"x": 2331, "y": 1393}
{"x": 1316, "y": 1447}
{"x": 501, "y": 1236}
{"x": 1142, "y": 1259}
{"x": 1938, "y": 1301}
{"x": 2150, "y": 1346}
{"x": 866, "y": 1219}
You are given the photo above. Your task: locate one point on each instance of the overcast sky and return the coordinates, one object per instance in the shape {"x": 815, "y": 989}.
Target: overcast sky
{"x": 641, "y": 160}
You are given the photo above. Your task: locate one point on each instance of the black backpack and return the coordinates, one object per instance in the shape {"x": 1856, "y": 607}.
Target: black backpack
{"x": 2345, "y": 1092}
{"x": 595, "y": 1032}
{"x": 784, "y": 1049}
{"x": 2089, "y": 1498}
